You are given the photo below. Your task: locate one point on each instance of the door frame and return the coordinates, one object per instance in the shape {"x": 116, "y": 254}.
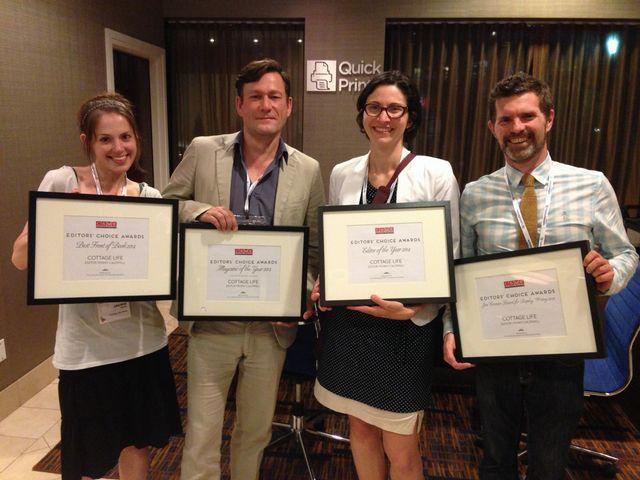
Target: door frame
{"x": 158, "y": 89}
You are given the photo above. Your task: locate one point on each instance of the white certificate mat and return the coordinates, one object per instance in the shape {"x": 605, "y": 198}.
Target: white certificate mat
{"x": 526, "y": 304}
{"x": 90, "y": 248}
{"x": 240, "y": 273}
{"x": 255, "y": 273}
{"x": 391, "y": 253}
{"x": 401, "y": 252}
{"x": 105, "y": 247}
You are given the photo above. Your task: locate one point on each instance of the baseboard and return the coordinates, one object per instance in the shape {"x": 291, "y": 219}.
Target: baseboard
{"x": 26, "y": 387}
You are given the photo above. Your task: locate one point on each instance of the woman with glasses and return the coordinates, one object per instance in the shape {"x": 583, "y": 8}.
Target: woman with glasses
{"x": 376, "y": 361}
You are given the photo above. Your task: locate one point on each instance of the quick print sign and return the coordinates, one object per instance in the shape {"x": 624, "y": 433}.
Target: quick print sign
{"x": 331, "y": 76}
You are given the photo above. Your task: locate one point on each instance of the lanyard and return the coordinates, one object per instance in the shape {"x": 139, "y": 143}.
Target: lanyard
{"x": 545, "y": 215}
{"x": 250, "y": 188}
{"x": 94, "y": 172}
{"x": 111, "y": 311}
{"x": 364, "y": 190}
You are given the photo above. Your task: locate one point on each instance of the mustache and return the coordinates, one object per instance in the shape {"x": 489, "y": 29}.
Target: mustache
{"x": 520, "y": 135}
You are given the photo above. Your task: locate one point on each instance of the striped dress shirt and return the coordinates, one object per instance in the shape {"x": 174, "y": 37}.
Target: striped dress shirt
{"x": 583, "y": 207}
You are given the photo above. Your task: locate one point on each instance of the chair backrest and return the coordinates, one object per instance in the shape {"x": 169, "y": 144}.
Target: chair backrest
{"x": 631, "y": 211}
{"x": 631, "y": 217}
{"x": 612, "y": 374}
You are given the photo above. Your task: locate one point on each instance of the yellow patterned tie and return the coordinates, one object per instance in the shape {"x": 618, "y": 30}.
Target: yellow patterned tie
{"x": 529, "y": 210}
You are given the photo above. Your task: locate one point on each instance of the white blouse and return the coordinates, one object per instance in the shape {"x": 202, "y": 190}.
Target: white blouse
{"x": 82, "y": 341}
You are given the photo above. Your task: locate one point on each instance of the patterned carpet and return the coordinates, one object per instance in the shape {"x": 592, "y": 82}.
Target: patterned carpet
{"x": 448, "y": 442}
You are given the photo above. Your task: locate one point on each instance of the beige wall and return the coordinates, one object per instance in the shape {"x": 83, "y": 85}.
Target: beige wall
{"x": 52, "y": 57}
{"x": 354, "y": 31}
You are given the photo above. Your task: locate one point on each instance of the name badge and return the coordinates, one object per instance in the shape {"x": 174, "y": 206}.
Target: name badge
{"x": 109, "y": 312}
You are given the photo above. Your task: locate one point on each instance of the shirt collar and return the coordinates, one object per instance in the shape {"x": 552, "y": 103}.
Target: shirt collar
{"x": 281, "y": 153}
{"x": 540, "y": 173}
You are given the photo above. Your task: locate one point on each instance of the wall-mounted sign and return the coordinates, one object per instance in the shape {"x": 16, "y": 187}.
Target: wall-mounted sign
{"x": 331, "y": 76}
{"x": 321, "y": 75}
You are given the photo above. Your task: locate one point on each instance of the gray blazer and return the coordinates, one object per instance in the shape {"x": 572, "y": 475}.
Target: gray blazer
{"x": 203, "y": 179}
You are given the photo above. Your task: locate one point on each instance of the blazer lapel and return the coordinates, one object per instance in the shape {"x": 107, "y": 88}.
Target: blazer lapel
{"x": 352, "y": 186}
{"x": 224, "y": 165}
{"x": 285, "y": 184}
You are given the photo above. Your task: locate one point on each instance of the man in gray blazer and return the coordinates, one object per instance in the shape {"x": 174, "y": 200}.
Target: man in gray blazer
{"x": 251, "y": 173}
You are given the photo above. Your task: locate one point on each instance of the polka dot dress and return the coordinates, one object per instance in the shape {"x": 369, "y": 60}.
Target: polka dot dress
{"x": 383, "y": 363}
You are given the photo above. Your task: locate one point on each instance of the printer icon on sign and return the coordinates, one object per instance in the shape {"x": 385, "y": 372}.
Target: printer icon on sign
{"x": 321, "y": 75}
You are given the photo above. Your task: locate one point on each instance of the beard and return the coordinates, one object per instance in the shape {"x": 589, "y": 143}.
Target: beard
{"x": 523, "y": 155}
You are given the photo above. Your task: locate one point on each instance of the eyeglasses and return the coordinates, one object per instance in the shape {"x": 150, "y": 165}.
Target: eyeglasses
{"x": 393, "y": 110}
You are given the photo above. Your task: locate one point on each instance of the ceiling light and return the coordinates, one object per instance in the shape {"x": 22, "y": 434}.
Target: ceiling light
{"x": 613, "y": 44}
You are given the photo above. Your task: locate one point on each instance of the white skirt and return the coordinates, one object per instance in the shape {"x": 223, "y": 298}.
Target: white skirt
{"x": 400, "y": 423}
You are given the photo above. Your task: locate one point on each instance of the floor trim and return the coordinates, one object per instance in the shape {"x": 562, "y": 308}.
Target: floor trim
{"x": 16, "y": 394}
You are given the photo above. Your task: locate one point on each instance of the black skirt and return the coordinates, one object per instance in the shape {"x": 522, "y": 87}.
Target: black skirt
{"x": 383, "y": 363}
{"x": 107, "y": 408}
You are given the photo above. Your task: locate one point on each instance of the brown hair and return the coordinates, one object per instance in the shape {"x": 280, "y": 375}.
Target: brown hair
{"x": 91, "y": 110}
{"x": 518, "y": 84}
{"x": 409, "y": 90}
{"x": 253, "y": 71}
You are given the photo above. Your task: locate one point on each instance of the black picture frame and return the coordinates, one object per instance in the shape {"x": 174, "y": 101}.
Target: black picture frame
{"x": 192, "y": 290}
{"x": 45, "y": 276}
{"x": 583, "y": 327}
{"x": 438, "y": 285}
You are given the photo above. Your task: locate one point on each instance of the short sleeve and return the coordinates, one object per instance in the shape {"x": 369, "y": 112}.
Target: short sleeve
{"x": 150, "y": 192}
{"x": 62, "y": 180}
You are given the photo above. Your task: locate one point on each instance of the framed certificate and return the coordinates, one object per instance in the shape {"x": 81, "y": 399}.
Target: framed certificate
{"x": 527, "y": 304}
{"x": 398, "y": 251}
{"x": 101, "y": 248}
{"x": 255, "y": 273}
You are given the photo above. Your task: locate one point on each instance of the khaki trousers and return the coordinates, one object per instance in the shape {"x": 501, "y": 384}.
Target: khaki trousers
{"x": 216, "y": 349}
